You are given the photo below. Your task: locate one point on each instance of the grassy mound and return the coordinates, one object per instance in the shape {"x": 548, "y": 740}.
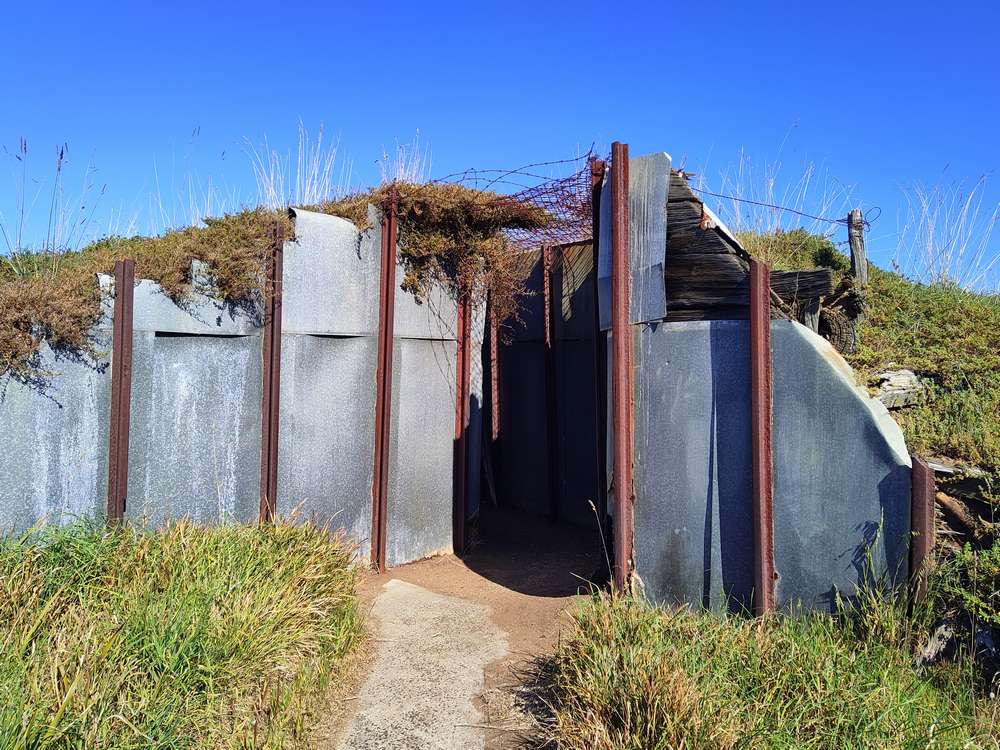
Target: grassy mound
{"x": 185, "y": 638}
{"x": 629, "y": 676}
{"x": 55, "y": 297}
{"x": 945, "y": 334}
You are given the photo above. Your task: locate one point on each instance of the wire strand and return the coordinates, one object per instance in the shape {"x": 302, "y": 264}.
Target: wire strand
{"x": 845, "y": 222}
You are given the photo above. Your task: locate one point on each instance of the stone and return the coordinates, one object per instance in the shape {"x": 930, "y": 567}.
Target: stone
{"x": 899, "y": 388}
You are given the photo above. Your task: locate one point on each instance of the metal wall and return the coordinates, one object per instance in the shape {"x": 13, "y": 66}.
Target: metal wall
{"x": 195, "y": 447}
{"x": 522, "y": 460}
{"x": 842, "y": 474}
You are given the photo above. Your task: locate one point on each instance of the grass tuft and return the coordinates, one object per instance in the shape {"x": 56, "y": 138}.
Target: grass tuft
{"x": 183, "y": 638}
{"x": 631, "y": 676}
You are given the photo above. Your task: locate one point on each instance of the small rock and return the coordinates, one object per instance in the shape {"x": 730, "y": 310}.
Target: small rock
{"x": 899, "y": 388}
{"x": 940, "y": 645}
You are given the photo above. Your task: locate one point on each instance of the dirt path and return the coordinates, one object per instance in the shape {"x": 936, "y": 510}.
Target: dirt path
{"x": 453, "y": 635}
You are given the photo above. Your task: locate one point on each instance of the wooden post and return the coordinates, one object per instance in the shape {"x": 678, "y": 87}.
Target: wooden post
{"x": 760, "y": 437}
{"x": 121, "y": 389}
{"x": 810, "y": 315}
{"x": 856, "y": 235}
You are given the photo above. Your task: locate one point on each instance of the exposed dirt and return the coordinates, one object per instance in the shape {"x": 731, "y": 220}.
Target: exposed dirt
{"x": 524, "y": 573}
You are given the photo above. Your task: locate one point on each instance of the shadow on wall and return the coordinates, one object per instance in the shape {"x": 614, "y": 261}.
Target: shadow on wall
{"x": 727, "y": 484}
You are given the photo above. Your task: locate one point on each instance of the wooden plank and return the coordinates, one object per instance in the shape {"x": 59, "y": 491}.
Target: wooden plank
{"x": 802, "y": 285}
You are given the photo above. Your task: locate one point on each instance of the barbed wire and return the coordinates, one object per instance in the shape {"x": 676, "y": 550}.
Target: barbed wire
{"x": 844, "y": 221}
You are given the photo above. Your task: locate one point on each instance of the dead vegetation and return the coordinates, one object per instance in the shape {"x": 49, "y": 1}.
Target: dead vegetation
{"x": 54, "y": 297}
{"x": 453, "y": 235}
{"x": 450, "y": 234}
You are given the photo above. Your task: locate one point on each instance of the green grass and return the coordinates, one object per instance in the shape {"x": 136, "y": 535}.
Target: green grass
{"x": 630, "y": 676}
{"x": 949, "y": 336}
{"x": 183, "y": 638}
{"x": 943, "y": 333}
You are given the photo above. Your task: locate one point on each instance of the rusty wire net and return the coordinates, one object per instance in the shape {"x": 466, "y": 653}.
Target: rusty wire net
{"x": 559, "y": 190}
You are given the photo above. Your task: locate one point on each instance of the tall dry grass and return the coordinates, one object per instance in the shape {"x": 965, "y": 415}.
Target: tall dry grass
{"x": 946, "y": 236}
{"x": 628, "y": 676}
{"x": 187, "y": 637}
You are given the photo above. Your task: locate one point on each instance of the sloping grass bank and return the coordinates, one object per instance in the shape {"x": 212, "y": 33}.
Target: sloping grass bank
{"x": 185, "y": 638}
{"x": 945, "y": 334}
{"x": 630, "y": 676}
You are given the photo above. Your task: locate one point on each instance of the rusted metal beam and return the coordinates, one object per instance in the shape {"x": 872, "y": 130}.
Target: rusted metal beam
{"x": 621, "y": 366}
{"x": 383, "y": 382}
{"x": 597, "y": 172}
{"x": 461, "y": 452}
{"x": 494, "y": 376}
{"x": 760, "y": 438}
{"x": 270, "y": 394}
{"x": 923, "y": 490}
{"x": 121, "y": 389}
{"x": 551, "y": 384}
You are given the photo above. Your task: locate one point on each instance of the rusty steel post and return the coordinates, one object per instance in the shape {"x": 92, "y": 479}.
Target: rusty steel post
{"x": 494, "y": 377}
{"x": 459, "y": 468}
{"x": 597, "y": 171}
{"x": 121, "y": 389}
{"x": 551, "y": 385}
{"x": 621, "y": 366}
{"x": 383, "y": 382}
{"x": 923, "y": 493}
{"x": 270, "y": 393}
{"x": 760, "y": 437}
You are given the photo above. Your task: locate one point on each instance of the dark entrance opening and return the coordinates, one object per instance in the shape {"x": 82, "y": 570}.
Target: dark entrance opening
{"x": 541, "y": 520}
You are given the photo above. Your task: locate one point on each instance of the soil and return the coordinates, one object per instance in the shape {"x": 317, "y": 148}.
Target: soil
{"x": 507, "y": 597}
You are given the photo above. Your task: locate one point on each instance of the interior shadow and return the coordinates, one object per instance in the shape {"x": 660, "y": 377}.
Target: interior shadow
{"x": 533, "y": 555}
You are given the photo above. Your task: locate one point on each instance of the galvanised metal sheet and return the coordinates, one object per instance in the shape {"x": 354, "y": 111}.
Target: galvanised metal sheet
{"x": 649, "y": 178}
{"x": 331, "y": 276}
{"x": 434, "y": 317}
{"x": 326, "y": 433}
{"x": 576, "y": 423}
{"x": 573, "y": 282}
{"x": 54, "y": 462}
{"x": 841, "y": 495}
{"x": 421, "y": 450}
{"x": 521, "y": 467}
{"x": 195, "y": 439}
{"x": 841, "y": 476}
{"x": 692, "y": 464}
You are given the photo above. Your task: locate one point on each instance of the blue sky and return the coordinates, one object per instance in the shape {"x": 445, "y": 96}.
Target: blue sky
{"x": 878, "y": 95}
